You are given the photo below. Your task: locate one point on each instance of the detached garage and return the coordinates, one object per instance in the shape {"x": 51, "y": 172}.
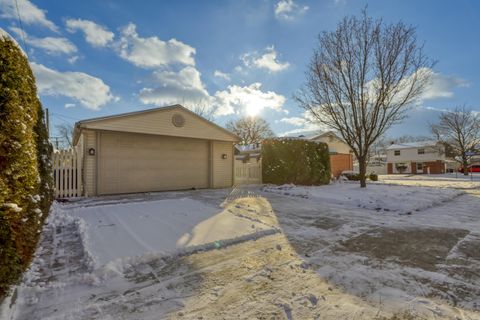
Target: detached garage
{"x": 169, "y": 148}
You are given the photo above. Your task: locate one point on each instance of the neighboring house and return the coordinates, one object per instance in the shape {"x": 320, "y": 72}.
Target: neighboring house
{"x": 418, "y": 157}
{"x": 169, "y": 148}
{"x": 377, "y": 164}
{"x": 248, "y": 152}
{"x": 341, "y": 157}
{"x": 336, "y": 145}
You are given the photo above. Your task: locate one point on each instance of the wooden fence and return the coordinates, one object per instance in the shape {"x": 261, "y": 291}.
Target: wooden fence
{"x": 248, "y": 172}
{"x": 67, "y": 173}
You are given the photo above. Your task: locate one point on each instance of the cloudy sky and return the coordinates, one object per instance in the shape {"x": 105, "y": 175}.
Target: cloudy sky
{"x": 95, "y": 58}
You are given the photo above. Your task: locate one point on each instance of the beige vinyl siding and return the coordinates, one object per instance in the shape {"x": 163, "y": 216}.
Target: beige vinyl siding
{"x": 131, "y": 162}
{"x": 222, "y": 168}
{"x": 90, "y": 162}
{"x": 160, "y": 123}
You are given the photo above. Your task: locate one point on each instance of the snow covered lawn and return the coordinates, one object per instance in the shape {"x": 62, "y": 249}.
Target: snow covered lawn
{"x": 377, "y": 197}
{"x": 448, "y": 180}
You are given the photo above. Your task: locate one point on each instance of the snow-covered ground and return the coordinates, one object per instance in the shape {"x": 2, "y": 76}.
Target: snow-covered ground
{"x": 284, "y": 252}
{"x": 448, "y": 180}
{"x": 379, "y": 197}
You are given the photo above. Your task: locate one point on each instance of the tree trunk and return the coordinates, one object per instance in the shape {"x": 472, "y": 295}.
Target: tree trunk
{"x": 362, "y": 164}
{"x": 465, "y": 167}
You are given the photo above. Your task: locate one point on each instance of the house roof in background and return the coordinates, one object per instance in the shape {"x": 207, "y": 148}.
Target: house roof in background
{"x": 246, "y": 148}
{"x": 417, "y": 144}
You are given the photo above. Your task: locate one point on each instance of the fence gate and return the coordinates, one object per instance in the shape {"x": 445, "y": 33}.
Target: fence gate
{"x": 248, "y": 173}
{"x": 67, "y": 173}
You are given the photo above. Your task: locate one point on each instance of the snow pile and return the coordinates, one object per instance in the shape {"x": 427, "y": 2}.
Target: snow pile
{"x": 381, "y": 198}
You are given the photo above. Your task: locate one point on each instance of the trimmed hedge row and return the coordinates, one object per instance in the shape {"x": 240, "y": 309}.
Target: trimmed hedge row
{"x": 353, "y": 176}
{"x": 300, "y": 162}
{"x": 25, "y": 166}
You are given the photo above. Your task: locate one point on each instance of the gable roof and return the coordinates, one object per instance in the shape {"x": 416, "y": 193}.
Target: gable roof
{"x": 248, "y": 148}
{"x": 326, "y": 134}
{"x": 97, "y": 123}
{"x": 417, "y": 144}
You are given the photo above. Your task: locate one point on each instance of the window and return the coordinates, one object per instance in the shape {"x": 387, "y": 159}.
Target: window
{"x": 421, "y": 151}
{"x": 419, "y": 166}
{"x": 396, "y": 152}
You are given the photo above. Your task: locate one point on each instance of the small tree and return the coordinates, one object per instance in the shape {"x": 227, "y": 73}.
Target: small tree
{"x": 361, "y": 79}
{"x": 460, "y": 131}
{"x": 251, "y": 129}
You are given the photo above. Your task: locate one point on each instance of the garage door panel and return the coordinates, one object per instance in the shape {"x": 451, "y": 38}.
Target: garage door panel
{"x": 139, "y": 163}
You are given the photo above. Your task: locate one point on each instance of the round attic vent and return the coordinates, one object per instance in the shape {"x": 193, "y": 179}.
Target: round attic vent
{"x": 178, "y": 120}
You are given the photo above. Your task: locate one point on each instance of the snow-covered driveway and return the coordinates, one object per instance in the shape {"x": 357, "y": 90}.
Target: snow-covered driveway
{"x": 115, "y": 231}
{"x": 289, "y": 253}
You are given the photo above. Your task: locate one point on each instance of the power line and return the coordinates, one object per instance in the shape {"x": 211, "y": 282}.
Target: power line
{"x": 21, "y": 27}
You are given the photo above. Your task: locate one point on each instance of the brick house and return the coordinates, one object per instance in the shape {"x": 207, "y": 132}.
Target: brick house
{"x": 341, "y": 157}
{"x": 417, "y": 158}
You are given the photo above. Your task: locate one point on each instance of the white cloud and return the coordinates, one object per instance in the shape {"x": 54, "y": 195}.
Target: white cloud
{"x": 90, "y": 91}
{"x": 172, "y": 87}
{"x": 29, "y": 13}
{"x": 152, "y": 52}
{"x": 305, "y": 124}
{"x": 222, "y": 75}
{"x": 442, "y": 86}
{"x": 294, "y": 121}
{"x": 69, "y": 105}
{"x": 289, "y": 10}
{"x": 95, "y": 34}
{"x": 51, "y": 45}
{"x": 268, "y": 60}
{"x": 186, "y": 87}
{"x": 438, "y": 86}
{"x": 249, "y": 99}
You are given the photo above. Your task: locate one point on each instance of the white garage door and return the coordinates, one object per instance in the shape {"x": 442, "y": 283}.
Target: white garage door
{"x": 139, "y": 163}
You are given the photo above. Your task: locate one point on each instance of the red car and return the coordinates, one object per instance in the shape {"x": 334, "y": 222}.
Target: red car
{"x": 472, "y": 168}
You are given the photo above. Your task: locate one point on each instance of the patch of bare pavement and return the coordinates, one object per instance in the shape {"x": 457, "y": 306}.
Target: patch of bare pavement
{"x": 327, "y": 262}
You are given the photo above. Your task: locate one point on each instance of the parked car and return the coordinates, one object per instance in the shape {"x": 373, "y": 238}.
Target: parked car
{"x": 472, "y": 168}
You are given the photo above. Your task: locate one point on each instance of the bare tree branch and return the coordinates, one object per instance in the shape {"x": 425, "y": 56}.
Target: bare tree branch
{"x": 203, "y": 108}
{"x": 65, "y": 132}
{"x": 250, "y": 129}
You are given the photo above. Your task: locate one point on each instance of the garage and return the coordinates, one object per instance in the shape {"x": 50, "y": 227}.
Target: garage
{"x": 169, "y": 148}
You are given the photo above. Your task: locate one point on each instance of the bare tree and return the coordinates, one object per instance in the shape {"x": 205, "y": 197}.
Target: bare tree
{"x": 251, "y": 129}
{"x": 65, "y": 134}
{"x": 203, "y": 108}
{"x": 460, "y": 130}
{"x": 362, "y": 78}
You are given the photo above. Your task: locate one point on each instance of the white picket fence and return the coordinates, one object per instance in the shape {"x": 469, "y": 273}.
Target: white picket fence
{"x": 67, "y": 173}
{"x": 248, "y": 172}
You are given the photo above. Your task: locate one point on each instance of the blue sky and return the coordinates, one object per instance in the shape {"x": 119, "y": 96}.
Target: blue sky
{"x": 95, "y": 58}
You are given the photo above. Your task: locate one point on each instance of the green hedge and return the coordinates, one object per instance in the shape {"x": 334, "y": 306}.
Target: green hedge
{"x": 300, "y": 162}
{"x": 25, "y": 180}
